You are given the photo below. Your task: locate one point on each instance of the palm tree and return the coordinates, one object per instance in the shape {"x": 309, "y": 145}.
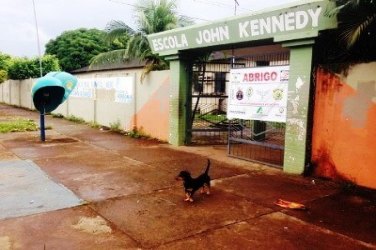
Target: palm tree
{"x": 357, "y": 20}
{"x": 152, "y": 17}
{"x": 354, "y": 40}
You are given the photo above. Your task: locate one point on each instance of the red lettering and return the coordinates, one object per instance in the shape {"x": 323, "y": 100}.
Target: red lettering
{"x": 274, "y": 76}
{"x": 260, "y": 76}
{"x": 245, "y": 78}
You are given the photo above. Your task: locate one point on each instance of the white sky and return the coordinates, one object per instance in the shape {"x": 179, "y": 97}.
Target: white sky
{"x": 18, "y": 30}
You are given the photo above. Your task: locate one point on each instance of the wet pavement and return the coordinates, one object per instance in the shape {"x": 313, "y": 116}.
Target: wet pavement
{"x": 129, "y": 198}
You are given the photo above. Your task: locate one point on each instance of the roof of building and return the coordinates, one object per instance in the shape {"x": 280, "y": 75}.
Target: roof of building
{"x": 130, "y": 64}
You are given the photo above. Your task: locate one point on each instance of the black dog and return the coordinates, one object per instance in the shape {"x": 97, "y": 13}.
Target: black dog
{"x": 191, "y": 185}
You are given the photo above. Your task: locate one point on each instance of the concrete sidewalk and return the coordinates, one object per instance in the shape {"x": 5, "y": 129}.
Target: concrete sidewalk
{"x": 131, "y": 198}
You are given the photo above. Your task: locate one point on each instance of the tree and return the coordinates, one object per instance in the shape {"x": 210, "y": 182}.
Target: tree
{"x": 355, "y": 38}
{"x": 76, "y": 48}
{"x": 24, "y": 68}
{"x": 151, "y": 17}
{"x": 5, "y": 62}
{"x": 357, "y": 20}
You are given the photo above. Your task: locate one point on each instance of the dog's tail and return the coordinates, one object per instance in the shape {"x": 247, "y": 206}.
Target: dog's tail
{"x": 207, "y": 168}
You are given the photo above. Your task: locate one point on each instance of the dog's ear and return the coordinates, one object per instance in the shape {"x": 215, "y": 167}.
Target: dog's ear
{"x": 184, "y": 174}
{"x": 180, "y": 176}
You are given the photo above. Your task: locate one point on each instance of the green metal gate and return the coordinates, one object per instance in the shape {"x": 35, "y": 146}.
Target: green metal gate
{"x": 250, "y": 140}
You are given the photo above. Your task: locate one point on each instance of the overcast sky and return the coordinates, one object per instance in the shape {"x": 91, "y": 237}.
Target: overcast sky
{"x": 18, "y": 29}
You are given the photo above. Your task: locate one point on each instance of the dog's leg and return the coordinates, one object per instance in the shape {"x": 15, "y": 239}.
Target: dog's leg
{"x": 188, "y": 197}
{"x": 207, "y": 187}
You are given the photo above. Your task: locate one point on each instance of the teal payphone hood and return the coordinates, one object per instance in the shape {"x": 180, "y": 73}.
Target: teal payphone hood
{"x": 51, "y": 90}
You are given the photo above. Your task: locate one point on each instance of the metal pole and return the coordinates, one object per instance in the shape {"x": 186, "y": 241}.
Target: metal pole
{"x": 42, "y": 113}
{"x": 38, "y": 43}
{"x": 42, "y": 127}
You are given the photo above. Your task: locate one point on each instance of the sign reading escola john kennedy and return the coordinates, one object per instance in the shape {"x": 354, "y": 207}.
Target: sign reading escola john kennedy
{"x": 308, "y": 17}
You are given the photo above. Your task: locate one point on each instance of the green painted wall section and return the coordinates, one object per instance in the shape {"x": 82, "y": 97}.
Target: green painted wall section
{"x": 297, "y": 108}
{"x": 178, "y": 100}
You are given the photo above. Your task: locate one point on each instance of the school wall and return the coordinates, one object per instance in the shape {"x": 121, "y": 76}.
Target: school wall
{"x": 145, "y": 108}
{"x": 344, "y": 130}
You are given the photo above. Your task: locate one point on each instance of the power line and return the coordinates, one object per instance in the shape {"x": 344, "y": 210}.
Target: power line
{"x": 120, "y": 2}
{"x": 220, "y": 4}
{"x": 138, "y": 6}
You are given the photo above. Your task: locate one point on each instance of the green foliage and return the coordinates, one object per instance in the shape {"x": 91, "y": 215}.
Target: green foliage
{"x": 151, "y": 17}
{"x": 76, "y": 48}
{"x": 49, "y": 63}
{"x": 5, "y": 62}
{"x": 354, "y": 41}
{"x": 115, "y": 127}
{"x": 17, "y": 125}
{"x": 24, "y": 68}
{"x": 75, "y": 119}
{"x": 94, "y": 125}
{"x": 137, "y": 134}
{"x": 57, "y": 115}
{"x": 357, "y": 19}
{"x": 3, "y": 75}
{"x": 213, "y": 117}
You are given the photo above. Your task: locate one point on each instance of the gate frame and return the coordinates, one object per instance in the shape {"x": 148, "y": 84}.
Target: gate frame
{"x": 175, "y": 44}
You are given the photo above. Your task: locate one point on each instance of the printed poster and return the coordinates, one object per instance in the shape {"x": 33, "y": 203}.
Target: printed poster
{"x": 123, "y": 87}
{"x": 258, "y": 93}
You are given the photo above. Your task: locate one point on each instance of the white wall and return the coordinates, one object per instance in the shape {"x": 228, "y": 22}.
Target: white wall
{"x": 101, "y": 108}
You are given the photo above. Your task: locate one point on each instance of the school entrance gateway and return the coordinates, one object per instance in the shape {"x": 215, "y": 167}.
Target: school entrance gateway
{"x": 248, "y": 98}
{"x": 213, "y": 92}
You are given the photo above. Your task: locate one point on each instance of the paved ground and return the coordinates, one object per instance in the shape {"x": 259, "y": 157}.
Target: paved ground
{"x": 129, "y": 198}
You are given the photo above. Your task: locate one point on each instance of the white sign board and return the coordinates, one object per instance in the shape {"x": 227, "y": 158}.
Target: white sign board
{"x": 123, "y": 87}
{"x": 258, "y": 93}
{"x": 84, "y": 88}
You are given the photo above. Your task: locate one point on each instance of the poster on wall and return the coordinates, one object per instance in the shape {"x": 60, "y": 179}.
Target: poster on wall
{"x": 84, "y": 88}
{"x": 258, "y": 93}
{"x": 123, "y": 86}
{"x": 123, "y": 89}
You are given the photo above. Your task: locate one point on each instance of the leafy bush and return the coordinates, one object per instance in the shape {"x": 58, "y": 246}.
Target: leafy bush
{"x": 5, "y": 62}
{"x": 24, "y": 68}
{"x": 3, "y": 75}
{"x": 21, "y": 68}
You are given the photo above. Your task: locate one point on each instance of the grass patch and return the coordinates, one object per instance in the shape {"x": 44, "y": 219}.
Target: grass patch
{"x": 214, "y": 118}
{"x": 94, "y": 125}
{"x": 138, "y": 134}
{"x": 17, "y": 125}
{"x": 60, "y": 116}
{"x": 75, "y": 119}
{"x": 115, "y": 127}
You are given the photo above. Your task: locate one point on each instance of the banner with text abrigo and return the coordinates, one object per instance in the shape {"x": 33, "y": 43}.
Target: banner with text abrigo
{"x": 258, "y": 93}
